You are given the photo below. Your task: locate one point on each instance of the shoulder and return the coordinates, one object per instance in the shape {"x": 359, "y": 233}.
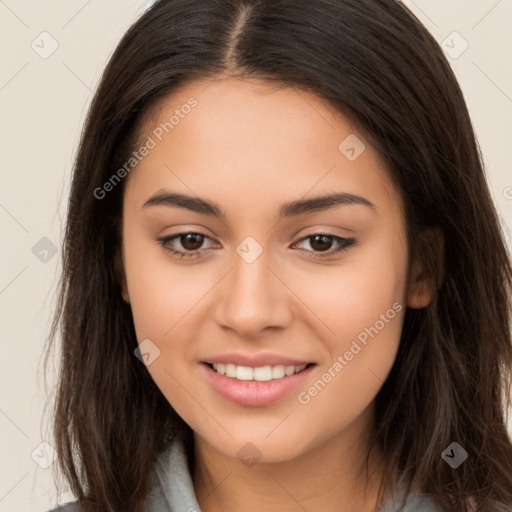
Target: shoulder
{"x": 171, "y": 484}
{"x": 417, "y": 503}
{"x": 68, "y": 507}
{"x": 413, "y": 503}
{"x": 408, "y": 501}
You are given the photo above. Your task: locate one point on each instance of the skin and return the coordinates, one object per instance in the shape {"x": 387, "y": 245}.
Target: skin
{"x": 251, "y": 148}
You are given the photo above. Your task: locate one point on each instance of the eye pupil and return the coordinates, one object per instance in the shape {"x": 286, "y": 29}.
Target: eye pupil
{"x": 192, "y": 241}
{"x": 325, "y": 242}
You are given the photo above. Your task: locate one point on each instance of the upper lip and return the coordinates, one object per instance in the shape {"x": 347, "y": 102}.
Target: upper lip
{"x": 254, "y": 360}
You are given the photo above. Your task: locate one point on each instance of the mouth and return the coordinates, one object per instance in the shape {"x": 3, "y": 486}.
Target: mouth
{"x": 257, "y": 373}
{"x": 255, "y": 386}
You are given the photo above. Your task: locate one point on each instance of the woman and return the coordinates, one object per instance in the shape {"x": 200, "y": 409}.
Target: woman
{"x": 285, "y": 286}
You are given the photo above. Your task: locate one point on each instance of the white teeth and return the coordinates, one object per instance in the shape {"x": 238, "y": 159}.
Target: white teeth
{"x": 278, "y": 371}
{"x": 230, "y": 370}
{"x": 263, "y": 373}
{"x": 259, "y": 373}
{"x": 289, "y": 370}
{"x": 244, "y": 373}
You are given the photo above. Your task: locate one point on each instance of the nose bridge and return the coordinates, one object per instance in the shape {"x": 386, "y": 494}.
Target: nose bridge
{"x": 253, "y": 298}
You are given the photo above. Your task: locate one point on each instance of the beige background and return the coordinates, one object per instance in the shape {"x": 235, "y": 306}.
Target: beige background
{"x": 43, "y": 102}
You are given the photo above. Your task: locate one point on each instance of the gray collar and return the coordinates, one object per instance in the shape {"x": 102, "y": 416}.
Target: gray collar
{"x": 173, "y": 489}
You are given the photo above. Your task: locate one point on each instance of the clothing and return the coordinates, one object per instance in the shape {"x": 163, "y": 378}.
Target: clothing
{"x": 173, "y": 491}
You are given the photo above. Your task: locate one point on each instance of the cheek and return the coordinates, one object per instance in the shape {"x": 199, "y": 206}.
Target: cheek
{"x": 361, "y": 305}
{"x": 161, "y": 292}
{"x": 163, "y": 299}
{"x": 351, "y": 296}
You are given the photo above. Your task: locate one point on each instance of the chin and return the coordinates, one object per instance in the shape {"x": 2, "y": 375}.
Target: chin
{"x": 261, "y": 448}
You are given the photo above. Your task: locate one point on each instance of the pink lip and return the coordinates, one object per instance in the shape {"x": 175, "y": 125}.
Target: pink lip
{"x": 254, "y": 393}
{"x": 262, "y": 359}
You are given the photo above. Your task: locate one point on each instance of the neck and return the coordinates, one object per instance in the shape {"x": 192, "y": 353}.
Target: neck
{"x": 326, "y": 478}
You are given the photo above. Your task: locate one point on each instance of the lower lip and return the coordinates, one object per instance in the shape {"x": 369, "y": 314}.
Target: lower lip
{"x": 254, "y": 393}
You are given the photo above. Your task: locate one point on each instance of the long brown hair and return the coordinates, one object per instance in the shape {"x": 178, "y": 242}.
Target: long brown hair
{"x": 374, "y": 62}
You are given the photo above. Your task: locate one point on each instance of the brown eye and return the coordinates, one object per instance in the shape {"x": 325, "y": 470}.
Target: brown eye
{"x": 321, "y": 242}
{"x": 184, "y": 245}
{"x": 191, "y": 241}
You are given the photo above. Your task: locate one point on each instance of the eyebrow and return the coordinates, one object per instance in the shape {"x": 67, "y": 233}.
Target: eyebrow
{"x": 290, "y": 209}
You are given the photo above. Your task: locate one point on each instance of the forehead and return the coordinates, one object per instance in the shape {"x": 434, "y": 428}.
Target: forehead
{"x": 247, "y": 142}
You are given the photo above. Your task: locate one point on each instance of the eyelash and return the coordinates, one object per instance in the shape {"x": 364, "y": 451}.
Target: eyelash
{"x": 345, "y": 243}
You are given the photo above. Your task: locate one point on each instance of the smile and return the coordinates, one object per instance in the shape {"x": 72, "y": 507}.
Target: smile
{"x": 255, "y": 386}
{"x": 259, "y": 373}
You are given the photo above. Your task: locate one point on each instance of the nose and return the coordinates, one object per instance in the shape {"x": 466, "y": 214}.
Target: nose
{"x": 252, "y": 298}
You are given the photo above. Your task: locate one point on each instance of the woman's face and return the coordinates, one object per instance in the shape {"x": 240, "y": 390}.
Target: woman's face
{"x": 248, "y": 168}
